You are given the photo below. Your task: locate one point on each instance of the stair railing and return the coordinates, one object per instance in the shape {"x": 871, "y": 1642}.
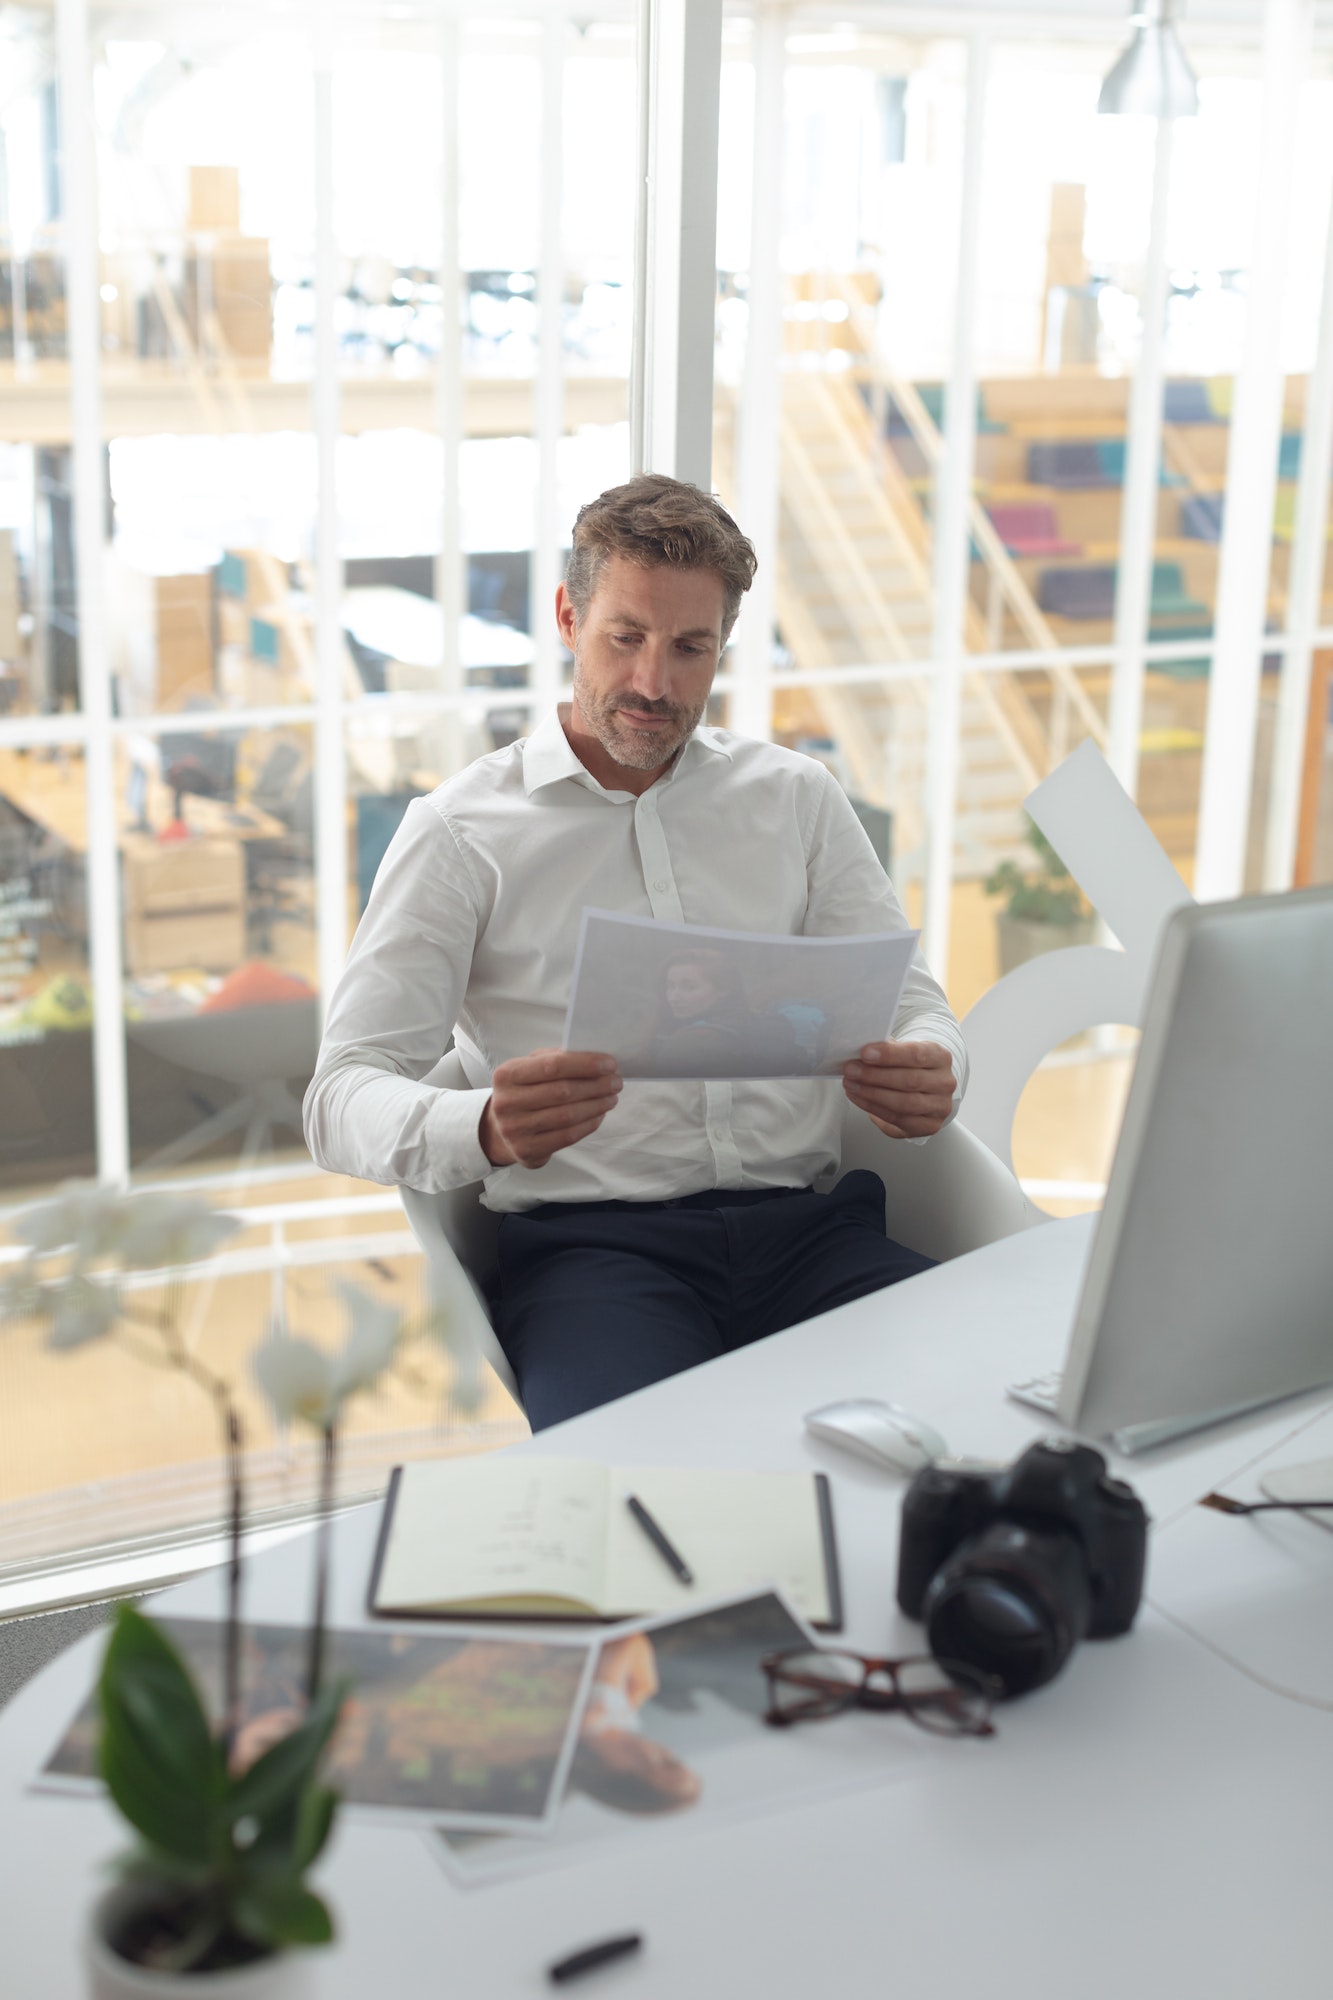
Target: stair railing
{"x": 1006, "y": 588}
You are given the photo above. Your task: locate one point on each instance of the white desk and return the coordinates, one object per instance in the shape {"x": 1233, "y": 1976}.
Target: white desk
{"x": 1154, "y": 1824}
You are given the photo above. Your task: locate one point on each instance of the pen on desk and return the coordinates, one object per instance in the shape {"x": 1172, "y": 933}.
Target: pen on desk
{"x": 592, "y": 1956}
{"x": 669, "y": 1555}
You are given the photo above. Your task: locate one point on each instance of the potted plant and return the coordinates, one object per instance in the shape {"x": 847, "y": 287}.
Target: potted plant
{"x": 213, "y": 1899}
{"x": 1045, "y": 911}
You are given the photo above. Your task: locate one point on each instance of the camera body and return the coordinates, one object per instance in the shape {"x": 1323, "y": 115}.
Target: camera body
{"x": 1011, "y": 1567}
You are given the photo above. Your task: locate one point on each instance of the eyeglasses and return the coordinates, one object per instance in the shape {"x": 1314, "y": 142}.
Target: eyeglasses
{"x": 946, "y": 1697}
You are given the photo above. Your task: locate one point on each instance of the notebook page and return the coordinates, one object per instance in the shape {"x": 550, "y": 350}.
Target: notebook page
{"x": 737, "y": 1531}
{"x": 468, "y": 1528}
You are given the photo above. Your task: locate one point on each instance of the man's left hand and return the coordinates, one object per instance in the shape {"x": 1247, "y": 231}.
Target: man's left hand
{"x": 906, "y": 1088}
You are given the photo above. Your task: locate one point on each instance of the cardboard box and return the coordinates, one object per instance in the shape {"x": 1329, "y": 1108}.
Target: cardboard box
{"x": 184, "y": 904}
{"x": 233, "y": 279}
{"x": 183, "y": 618}
{"x": 215, "y": 199}
{"x": 213, "y": 940}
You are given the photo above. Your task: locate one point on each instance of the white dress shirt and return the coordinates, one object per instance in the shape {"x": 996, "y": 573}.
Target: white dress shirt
{"x": 472, "y": 927}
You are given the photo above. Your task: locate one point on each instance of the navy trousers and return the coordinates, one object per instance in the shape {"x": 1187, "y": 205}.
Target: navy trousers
{"x": 595, "y": 1299}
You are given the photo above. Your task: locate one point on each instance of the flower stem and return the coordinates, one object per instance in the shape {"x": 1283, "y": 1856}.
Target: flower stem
{"x": 328, "y": 1467}
{"x": 232, "y": 1691}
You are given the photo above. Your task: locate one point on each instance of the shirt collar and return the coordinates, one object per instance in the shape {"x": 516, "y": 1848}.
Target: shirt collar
{"x": 548, "y": 755}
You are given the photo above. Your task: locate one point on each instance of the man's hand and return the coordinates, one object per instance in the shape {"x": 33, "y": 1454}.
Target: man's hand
{"x": 906, "y": 1088}
{"x": 544, "y": 1102}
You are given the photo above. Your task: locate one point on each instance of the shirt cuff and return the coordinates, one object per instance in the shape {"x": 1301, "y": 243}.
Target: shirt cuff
{"x": 453, "y": 1138}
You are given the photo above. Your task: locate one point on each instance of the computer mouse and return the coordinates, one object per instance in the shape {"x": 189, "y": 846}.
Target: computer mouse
{"x": 885, "y": 1433}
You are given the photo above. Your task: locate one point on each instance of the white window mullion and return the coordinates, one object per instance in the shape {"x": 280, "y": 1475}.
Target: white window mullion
{"x": 330, "y": 750}
{"x": 1245, "y": 554}
{"x": 681, "y": 45}
{"x": 102, "y": 859}
{"x": 550, "y": 412}
{"x": 450, "y": 574}
{"x": 758, "y": 444}
{"x": 952, "y": 564}
{"x": 1309, "y": 551}
{"x": 1142, "y": 487}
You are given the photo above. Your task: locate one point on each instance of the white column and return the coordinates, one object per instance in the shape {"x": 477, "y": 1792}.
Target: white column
{"x": 1305, "y": 579}
{"x": 684, "y": 83}
{"x": 1138, "y": 507}
{"x": 638, "y": 358}
{"x": 952, "y": 552}
{"x": 330, "y": 752}
{"x": 102, "y": 865}
{"x": 545, "y": 572}
{"x": 1256, "y": 427}
{"x": 450, "y": 570}
{"x": 758, "y": 451}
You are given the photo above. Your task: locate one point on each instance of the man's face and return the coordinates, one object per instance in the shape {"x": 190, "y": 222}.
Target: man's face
{"x": 645, "y": 654}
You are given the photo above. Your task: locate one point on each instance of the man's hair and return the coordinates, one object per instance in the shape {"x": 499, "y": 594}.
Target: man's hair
{"x": 660, "y": 523}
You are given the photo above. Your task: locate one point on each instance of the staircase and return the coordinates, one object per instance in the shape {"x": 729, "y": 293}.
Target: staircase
{"x": 854, "y": 589}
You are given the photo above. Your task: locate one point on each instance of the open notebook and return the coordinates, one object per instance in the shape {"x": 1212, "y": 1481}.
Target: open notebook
{"x": 526, "y": 1537}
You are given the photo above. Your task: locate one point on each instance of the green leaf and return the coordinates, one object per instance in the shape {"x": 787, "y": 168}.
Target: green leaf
{"x": 282, "y": 1911}
{"x": 159, "y": 1760}
{"x": 278, "y": 1778}
{"x": 314, "y": 1824}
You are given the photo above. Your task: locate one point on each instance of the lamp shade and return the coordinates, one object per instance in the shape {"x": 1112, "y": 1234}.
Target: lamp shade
{"x": 1153, "y": 76}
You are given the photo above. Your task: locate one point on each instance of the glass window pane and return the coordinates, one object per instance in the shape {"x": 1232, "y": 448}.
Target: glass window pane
{"x": 39, "y": 652}
{"x": 217, "y": 882}
{"x": 46, "y": 1064}
{"x": 206, "y": 217}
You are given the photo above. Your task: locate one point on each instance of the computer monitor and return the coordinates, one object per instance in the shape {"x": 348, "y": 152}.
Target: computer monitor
{"x": 1209, "y": 1289}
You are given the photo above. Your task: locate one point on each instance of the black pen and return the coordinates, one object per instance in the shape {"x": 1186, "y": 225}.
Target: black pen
{"x": 592, "y": 1956}
{"x": 659, "y": 1541}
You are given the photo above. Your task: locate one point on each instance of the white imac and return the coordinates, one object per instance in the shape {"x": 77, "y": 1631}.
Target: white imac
{"x": 1209, "y": 1288}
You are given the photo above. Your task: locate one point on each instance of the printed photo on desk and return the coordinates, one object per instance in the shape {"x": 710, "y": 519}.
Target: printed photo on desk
{"x": 673, "y": 1737}
{"x": 473, "y": 1730}
{"x": 682, "y": 1000}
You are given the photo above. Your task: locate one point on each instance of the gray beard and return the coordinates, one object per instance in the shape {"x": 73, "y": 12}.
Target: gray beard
{"x": 618, "y": 740}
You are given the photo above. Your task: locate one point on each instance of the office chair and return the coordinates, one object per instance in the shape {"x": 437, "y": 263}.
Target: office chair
{"x": 279, "y": 872}
{"x": 944, "y": 1198}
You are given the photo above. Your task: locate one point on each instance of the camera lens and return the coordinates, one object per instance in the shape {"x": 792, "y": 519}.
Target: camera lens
{"x": 1013, "y": 1602}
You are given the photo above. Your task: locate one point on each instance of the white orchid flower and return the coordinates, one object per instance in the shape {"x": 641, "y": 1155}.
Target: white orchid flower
{"x": 305, "y": 1384}
{"x": 85, "y": 1310}
{"x": 82, "y": 1217}
{"x": 162, "y": 1230}
{"x": 297, "y": 1378}
{"x": 372, "y": 1339}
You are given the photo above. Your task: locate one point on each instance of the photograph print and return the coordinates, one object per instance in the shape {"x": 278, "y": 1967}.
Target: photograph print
{"x": 474, "y": 1730}
{"x": 681, "y": 1000}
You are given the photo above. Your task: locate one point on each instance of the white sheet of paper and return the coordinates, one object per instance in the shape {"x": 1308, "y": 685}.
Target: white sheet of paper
{"x": 535, "y": 1525}
{"x": 736, "y": 1535}
{"x": 681, "y": 1000}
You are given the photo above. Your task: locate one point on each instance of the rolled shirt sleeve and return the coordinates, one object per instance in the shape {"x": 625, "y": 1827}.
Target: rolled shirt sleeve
{"x": 368, "y": 1111}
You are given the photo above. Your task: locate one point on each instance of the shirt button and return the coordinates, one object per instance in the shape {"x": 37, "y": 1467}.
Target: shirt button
{"x": 661, "y": 887}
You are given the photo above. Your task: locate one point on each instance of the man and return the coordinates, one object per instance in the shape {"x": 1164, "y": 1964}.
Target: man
{"x": 649, "y": 1228}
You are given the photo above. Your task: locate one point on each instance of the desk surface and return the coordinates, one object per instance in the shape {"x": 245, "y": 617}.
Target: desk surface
{"x": 1153, "y": 1823}
{"x": 50, "y": 791}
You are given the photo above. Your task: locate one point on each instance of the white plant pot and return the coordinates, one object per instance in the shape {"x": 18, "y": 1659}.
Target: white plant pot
{"x": 288, "y": 1975}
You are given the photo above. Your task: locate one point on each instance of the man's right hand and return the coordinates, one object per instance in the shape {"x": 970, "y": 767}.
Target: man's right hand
{"x": 543, "y": 1102}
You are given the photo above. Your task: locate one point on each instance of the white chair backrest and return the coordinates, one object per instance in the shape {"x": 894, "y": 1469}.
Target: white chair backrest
{"x": 942, "y": 1198}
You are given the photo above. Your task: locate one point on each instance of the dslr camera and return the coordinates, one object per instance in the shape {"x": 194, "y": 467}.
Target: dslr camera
{"x": 1010, "y": 1567}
